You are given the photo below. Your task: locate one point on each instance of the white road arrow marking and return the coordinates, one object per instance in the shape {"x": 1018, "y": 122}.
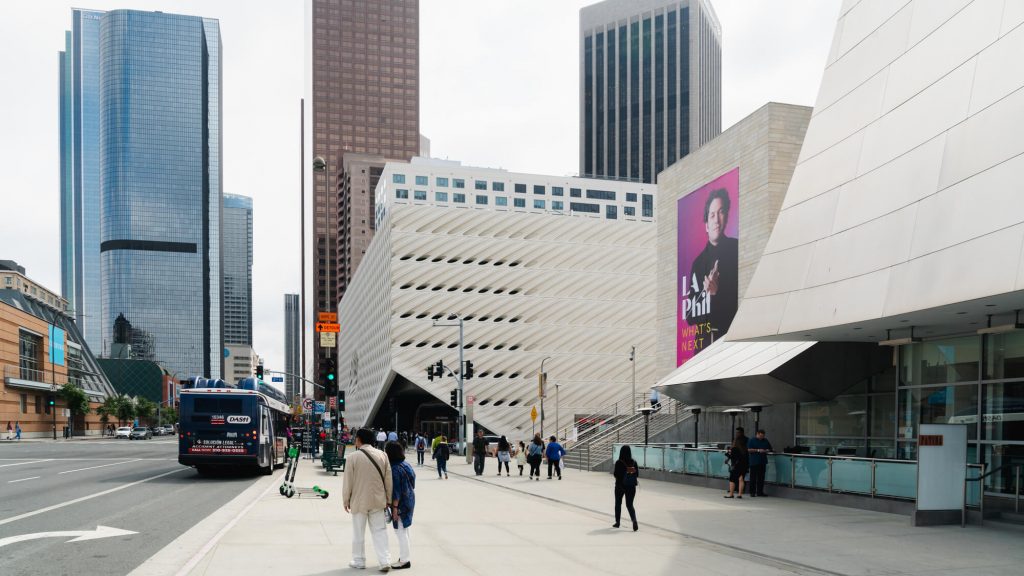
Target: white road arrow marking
{"x": 81, "y": 535}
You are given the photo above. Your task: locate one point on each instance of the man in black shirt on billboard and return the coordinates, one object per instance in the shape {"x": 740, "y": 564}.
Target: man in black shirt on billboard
{"x": 717, "y": 266}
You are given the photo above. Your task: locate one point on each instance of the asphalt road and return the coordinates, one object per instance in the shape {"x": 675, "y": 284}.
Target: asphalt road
{"x": 64, "y": 486}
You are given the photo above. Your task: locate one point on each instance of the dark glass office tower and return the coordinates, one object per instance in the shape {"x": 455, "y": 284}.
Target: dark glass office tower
{"x": 160, "y": 182}
{"x": 650, "y": 85}
{"x": 292, "y": 350}
{"x": 79, "y": 68}
{"x": 236, "y": 261}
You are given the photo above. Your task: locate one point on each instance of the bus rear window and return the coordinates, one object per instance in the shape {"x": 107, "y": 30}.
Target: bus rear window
{"x": 217, "y": 405}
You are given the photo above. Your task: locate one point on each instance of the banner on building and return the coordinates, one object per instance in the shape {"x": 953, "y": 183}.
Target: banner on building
{"x": 57, "y": 345}
{"x": 708, "y": 264}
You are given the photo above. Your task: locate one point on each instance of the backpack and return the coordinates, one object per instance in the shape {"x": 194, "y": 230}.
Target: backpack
{"x": 421, "y": 444}
{"x": 629, "y": 479}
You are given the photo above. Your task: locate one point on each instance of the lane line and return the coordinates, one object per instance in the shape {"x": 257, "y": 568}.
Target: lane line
{"x": 20, "y": 463}
{"x": 89, "y": 497}
{"x": 100, "y": 466}
{"x": 22, "y": 480}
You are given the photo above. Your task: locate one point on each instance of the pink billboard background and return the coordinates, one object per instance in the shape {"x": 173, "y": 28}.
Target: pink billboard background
{"x": 701, "y": 316}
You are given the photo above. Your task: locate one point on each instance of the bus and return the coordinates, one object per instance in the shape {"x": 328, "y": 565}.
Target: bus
{"x": 223, "y": 425}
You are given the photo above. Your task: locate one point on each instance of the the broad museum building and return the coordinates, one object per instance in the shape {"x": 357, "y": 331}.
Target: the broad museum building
{"x": 882, "y": 289}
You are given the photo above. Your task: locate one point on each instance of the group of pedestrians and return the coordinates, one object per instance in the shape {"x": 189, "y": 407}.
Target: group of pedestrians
{"x": 747, "y": 455}
{"x": 13, "y": 432}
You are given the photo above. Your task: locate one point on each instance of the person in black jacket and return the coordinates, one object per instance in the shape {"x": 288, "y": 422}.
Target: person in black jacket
{"x": 626, "y": 474}
{"x": 441, "y": 454}
{"x": 739, "y": 462}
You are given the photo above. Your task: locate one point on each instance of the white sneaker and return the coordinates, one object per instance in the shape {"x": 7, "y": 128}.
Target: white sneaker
{"x": 354, "y": 564}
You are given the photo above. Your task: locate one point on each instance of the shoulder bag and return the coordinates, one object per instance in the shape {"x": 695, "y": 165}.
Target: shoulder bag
{"x": 387, "y": 505}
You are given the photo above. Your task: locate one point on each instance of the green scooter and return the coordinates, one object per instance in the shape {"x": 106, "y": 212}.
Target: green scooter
{"x": 288, "y": 488}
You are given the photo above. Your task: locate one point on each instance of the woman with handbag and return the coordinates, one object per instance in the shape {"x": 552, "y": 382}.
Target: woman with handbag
{"x": 504, "y": 455}
{"x": 627, "y": 473}
{"x": 739, "y": 462}
{"x": 403, "y": 501}
{"x": 535, "y": 453}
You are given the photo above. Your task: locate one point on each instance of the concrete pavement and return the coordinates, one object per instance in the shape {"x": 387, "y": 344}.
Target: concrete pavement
{"x": 509, "y": 525}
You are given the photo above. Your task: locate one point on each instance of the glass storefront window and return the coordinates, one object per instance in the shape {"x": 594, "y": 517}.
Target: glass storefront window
{"x": 1002, "y": 413}
{"x": 844, "y": 416}
{"x": 1004, "y": 456}
{"x": 1004, "y": 356}
{"x": 883, "y": 415}
{"x": 940, "y": 361}
{"x": 938, "y": 405}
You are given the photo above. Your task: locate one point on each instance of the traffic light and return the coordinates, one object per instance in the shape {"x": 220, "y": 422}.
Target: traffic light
{"x": 341, "y": 401}
{"x": 259, "y": 371}
{"x": 430, "y": 372}
{"x": 469, "y": 370}
{"x": 454, "y": 403}
{"x": 50, "y": 401}
{"x": 327, "y": 376}
{"x": 435, "y": 370}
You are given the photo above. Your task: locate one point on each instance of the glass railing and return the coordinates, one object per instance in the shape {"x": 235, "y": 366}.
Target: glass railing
{"x": 843, "y": 474}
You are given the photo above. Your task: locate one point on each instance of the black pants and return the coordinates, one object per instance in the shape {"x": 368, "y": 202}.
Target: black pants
{"x": 630, "y": 494}
{"x": 478, "y": 462}
{"x": 554, "y": 463}
{"x": 535, "y": 466}
{"x": 419, "y": 457}
{"x": 757, "y": 479}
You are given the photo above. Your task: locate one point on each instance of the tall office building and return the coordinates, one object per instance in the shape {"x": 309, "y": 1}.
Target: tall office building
{"x": 237, "y": 264}
{"x": 160, "y": 188}
{"x": 650, "y": 85}
{"x": 365, "y": 64}
{"x": 292, "y": 342}
{"x": 79, "y": 173}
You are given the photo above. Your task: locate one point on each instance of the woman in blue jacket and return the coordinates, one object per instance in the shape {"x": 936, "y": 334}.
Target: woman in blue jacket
{"x": 403, "y": 501}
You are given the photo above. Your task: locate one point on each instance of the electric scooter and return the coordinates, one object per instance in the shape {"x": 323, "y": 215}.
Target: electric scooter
{"x": 288, "y": 488}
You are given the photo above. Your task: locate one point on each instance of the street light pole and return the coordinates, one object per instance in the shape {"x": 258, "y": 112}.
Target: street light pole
{"x": 542, "y": 393}
{"x": 462, "y": 368}
{"x": 632, "y": 361}
{"x": 557, "y": 417}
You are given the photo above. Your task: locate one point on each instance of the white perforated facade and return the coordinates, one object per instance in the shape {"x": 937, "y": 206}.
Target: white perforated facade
{"x": 528, "y": 286}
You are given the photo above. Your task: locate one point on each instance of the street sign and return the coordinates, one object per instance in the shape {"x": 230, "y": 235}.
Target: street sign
{"x": 307, "y": 404}
{"x": 328, "y": 339}
{"x": 332, "y": 402}
{"x": 471, "y": 400}
{"x": 533, "y": 414}
{"x": 327, "y": 317}
{"x": 328, "y": 327}
{"x": 319, "y": 407}
{"x": 277, "y": 378}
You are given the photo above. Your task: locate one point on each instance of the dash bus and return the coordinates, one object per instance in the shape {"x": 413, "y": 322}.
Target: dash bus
{"x": 223, "y": 425}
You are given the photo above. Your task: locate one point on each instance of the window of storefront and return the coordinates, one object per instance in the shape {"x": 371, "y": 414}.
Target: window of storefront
{"x": 30, "y": 352}
{"x": 860, "y": 422}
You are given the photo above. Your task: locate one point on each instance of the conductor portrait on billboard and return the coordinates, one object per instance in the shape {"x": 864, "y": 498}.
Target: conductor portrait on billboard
{"x": 708, "y": 264}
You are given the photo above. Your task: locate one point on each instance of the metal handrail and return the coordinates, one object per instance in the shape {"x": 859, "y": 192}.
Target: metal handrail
{"x": 628, "y": 428}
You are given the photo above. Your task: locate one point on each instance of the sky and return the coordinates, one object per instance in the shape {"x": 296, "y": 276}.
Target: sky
{"x": 499, "y": 88}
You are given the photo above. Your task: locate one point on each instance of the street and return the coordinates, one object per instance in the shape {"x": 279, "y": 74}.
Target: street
{"x": 73, "y": 487}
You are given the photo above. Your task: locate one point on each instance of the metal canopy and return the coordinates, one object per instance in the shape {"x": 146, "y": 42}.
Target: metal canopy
{"x": 765, "y": 373}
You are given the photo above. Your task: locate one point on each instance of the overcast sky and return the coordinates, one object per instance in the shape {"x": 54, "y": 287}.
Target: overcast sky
{"x": 499, "y": 89}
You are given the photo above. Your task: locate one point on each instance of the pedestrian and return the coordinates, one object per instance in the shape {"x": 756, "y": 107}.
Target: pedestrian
{"x": 554, "y": 455}
{"x": 382, "y": 438}
{"x": 441, "y": 454}
{"x": 435, "y": 442}
{"x": 479, "y": 452}
{"x": 739, "y": 462}
{"x": 504, "y": 455}
{"x": 17, "y": 431}
{"x": 10, "y": 431}
{"x": 392, "y": 436}
{"x": 535, "y": 453}
{"x": 403, "y": 501}
{"x": 316, "y": 441}
{"x": 627, "y": 474}
{"x": 655, "y": 399}
{"x": 366, "y": 493}
{"x": 421, "y": 448}
{"x": 404, "y": 440}
{"x": 521, "y": 457}
{"x": 758, "y": 447}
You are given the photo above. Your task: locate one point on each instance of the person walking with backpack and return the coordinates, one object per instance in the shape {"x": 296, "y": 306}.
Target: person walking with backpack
{"x": 627, "y": 474}
{"x": 554, "y": 455}
{"x": 521, "y": 456}
{"x": 403, "y": 501}
{"x": 366, "y": 494}
{"x": 535, "y": 453}
{"x": 441, "y": 454}
{"x": 504, "y": 455}
{"x": 421, "y": 448}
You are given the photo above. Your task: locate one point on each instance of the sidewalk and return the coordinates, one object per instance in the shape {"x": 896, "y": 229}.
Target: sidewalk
{"x": 509, "y": 525}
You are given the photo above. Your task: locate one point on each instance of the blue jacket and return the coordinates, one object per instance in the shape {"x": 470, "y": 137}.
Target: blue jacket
{"x": 757, "y": 458}
{"x": 403, "y": 490}
{"x": 554, "y": 451}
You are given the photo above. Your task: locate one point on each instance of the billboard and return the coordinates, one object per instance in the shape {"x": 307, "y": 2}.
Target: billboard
{"x": 57, "y": 343}
{"x": 707, "y": 290}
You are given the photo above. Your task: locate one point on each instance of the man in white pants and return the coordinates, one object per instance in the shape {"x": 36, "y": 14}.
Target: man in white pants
{"x": 366, "y": 494}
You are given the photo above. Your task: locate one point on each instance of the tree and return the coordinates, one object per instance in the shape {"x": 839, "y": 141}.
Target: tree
{"x": 144, "y": 409}
{"x": 125, "y": 409}
{"x": 168, "y": 415}
{"x": 107, "y": 409}
{"x": 75, "y": 399}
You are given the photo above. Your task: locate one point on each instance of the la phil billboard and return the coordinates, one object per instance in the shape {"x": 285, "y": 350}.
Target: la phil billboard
{"x": 707, "y": 292}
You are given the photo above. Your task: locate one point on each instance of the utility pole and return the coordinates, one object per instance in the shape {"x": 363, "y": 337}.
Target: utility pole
{"x": 462, "y": 368}
{"x": 632, "y": 361}
{"x": 542, "y": 392}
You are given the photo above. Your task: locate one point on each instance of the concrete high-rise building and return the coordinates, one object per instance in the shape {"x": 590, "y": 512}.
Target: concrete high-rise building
{"x": 237, "y": 265}
{"x": 365, "y": 65}
{"x": 292, "y": 340}
{"x": 79, "y": 173}
{"x": 365, "y": 101}
{"x": 160, "y": 194}
{"x": 650, "y": 85}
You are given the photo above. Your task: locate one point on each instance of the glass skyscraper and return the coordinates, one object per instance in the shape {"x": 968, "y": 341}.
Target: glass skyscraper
{"x": 79, "y": 68}
{"x": 650, "y": 85}
{"x": 160, "y": 189}
{"x": 236, "y": 261}
{"x": 292, "y": 339}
